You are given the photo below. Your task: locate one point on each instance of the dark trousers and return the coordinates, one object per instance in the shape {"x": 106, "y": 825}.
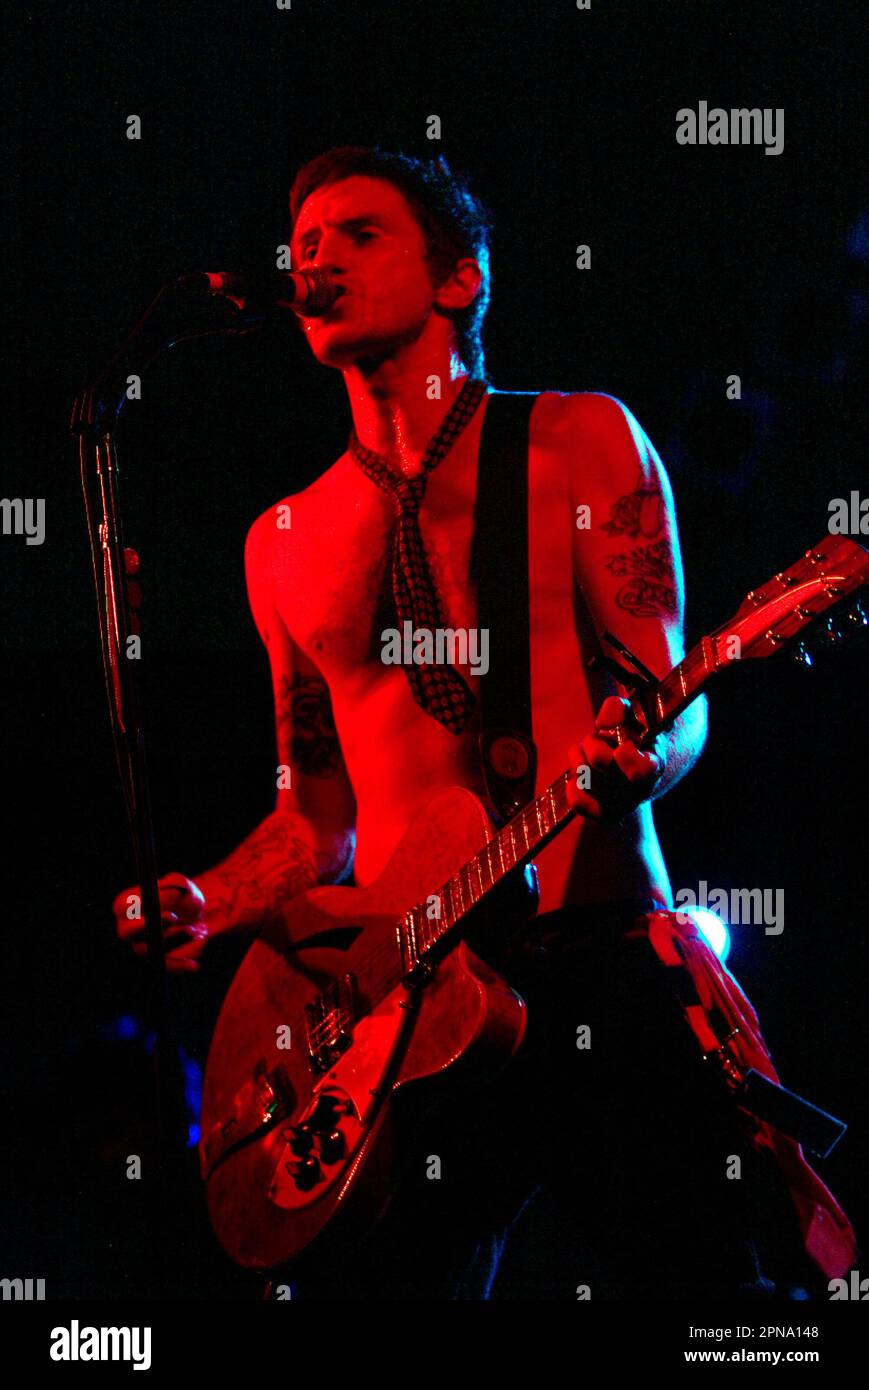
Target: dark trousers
{"x": 605, "y": 1170}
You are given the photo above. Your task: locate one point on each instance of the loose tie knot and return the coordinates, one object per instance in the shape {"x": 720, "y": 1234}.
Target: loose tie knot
{"x": 409, "y": 494}
{"x": 438, "y": 689}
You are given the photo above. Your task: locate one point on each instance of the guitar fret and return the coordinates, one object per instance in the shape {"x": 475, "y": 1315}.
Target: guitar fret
{"x": 440, "y": 924}
{"x": 466, "y": 870}
{"x": 414, "y": 954}
{"x": 490, "y": 865}
{"x": 475, "y": 864}
{"x": 447, "y": 914}
{"x": 455, "y": 911}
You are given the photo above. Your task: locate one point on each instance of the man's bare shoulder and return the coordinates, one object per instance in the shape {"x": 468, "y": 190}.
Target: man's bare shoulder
{"x": 566, "y": 416}
{"x": 602, "y": 442}
{"x": 272, "y": 532}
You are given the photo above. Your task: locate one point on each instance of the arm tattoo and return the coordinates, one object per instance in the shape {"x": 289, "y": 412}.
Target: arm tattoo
{"x": 642, "y": 514}
{"x": 639, "y": 513}
{"x": 655, "y": 560}
{"x": 271, "y": 866}
{"x": 648, "y": 593}
{"x": 307, "y": 738}
{"x": 645, "y": 598}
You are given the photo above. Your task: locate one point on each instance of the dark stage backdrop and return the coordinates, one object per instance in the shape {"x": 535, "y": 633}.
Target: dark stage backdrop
{"x": 706, "y": 262}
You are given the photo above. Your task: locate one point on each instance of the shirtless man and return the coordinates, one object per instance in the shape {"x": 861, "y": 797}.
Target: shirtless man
{"x": 364, "y": 755}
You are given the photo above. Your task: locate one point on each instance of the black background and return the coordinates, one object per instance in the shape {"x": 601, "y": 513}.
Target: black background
{"x": 706, "y": 261}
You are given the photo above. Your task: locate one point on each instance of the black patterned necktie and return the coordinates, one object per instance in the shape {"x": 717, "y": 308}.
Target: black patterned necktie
{"x": 439, "y": 689}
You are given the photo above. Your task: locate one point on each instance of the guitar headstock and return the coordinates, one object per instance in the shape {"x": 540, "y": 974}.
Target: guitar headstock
{"x": 770, "y": 617}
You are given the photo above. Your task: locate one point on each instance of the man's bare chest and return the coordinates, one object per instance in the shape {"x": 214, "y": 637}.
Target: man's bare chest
{"x": 334, "y": 582}
{"x": 333, "y": 579}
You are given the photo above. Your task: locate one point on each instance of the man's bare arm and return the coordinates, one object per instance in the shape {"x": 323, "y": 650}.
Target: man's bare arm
{"x": 283, "y": 855}
{"x": 308, "y": 839}
{"x": 628, "y": 564}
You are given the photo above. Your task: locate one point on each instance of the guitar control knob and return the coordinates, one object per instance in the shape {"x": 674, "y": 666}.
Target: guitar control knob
{"x": 332, "y": 1147}
{"x": 325, "y": 1115}
{"x": 307, "y": 1173}
{"x": 302, "y": 1140}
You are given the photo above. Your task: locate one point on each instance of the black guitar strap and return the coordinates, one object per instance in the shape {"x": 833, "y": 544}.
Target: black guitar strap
{"x": 499, "y": 570}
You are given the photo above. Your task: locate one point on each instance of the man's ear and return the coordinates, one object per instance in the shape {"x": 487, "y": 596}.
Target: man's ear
{"x": 461, "y": 286}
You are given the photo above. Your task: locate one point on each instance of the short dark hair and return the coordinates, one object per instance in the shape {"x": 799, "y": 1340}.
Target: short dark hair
{"x": 451, "y": 218}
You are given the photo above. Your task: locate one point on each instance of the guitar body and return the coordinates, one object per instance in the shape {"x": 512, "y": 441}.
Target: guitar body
{"x": 267, "y": 1200}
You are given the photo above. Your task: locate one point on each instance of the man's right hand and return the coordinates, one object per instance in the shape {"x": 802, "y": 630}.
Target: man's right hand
{"x": 182, "y": 913}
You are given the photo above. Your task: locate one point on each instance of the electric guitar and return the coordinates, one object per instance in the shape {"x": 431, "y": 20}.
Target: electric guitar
{"x": 364, "y": 990}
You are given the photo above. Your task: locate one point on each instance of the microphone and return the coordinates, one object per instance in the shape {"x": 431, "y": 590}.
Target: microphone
{"x": 307, "y": 292}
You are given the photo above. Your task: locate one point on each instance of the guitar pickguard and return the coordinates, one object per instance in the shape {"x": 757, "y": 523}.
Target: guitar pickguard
{"x": 317, "y": 1146}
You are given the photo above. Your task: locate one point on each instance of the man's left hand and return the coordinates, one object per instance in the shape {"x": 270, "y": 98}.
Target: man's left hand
{"x": 622, "y": 775}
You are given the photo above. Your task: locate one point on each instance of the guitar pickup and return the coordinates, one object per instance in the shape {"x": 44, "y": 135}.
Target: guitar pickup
{"x": 329, "y": 1023}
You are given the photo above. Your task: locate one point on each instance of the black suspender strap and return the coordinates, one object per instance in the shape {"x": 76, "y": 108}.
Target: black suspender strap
{"x": 499, "y": 570}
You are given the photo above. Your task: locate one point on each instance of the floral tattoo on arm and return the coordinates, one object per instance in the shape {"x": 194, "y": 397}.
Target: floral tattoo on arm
{"x": 641, "y": 515}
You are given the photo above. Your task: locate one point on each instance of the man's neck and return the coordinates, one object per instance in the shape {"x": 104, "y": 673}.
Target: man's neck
{"x": 393, "y": 410}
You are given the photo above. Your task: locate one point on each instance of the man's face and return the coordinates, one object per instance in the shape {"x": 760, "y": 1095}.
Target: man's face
{"x": 364, "y": 233}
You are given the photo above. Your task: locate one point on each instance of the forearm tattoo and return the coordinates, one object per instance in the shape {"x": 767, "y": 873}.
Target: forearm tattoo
{"x": 272, "y": 865}
{"x": 307, "y": 738}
